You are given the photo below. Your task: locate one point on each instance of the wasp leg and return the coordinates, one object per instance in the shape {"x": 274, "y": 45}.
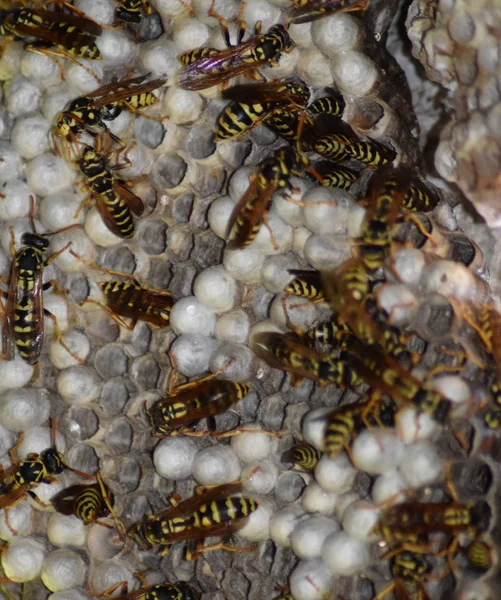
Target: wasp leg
{"x": 241, "y": 429}
{"x": 201, "y": 550}
{"x": 107, "y": 593}
{"x": 139, "y": 112}
{"x": 113, "y": 314}
{"x": 57, "y": 334}
{"x": 8, "y": 523}
{"x": 52, "y": 53}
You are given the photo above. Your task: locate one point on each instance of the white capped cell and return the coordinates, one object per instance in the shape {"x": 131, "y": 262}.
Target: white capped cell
{"x": 264, "y": 477}
{"x": 62, "y": 570}
{"x": 102, "y": 11}
{"x": 344, "y": 555}
{"x": 40, "y": 70}
{"x": 216, "y": 465}
{"x": 189, "y": 316}
{"x": 399, "y": 302}
{"x": 421, "y": 464}
{"x": 108, "y": 573}
{"x": 239, "y": 182}
{"x": 326, "y": 252}
{"x": 337, "y": 33}
{"x": 15, "y": 373}
{"x": 299, "y": 32}
{"x": 17, "y": 200}
{"x": 309, "y": 535}
{"x": 301, "y": 235}
{"x": 55, "y": 100}
{"x": 215, "y": 289}
{"x": 117, "y": 48}
{"x": 326, "y": 210}
{"x": 275, "y": 272}
{"x": 354, "y": 73}
{"x": 30, "y": 136}
{"x": 250, "y": 447}
{"x": 48, "y": 174}
{"x": 10, "y": 61}
{"x": 80, "y": 244}
{"x": 360, "y": 519}
{"x": 23, "y": 559}
{"x": 233, "y": 327}
{"x": 454, "y": 389}
{"x": 98, "y": 232}
{"x": 285, "y": 203}
{"x": 408, "y": 264}
{"x": 66, "y": 530}
{"x": 38, "y": 439}
{"x": 413, "y": 425}
{"x": 244, "y": 265}
{"x": 83, "y": 79}
{"x": 21, "y": 409}
{"x": 20, "y": 520}
{"x": 58, "y": 210}
{"x": 192, "y": 353}
{"x": 283, "y": 523}
{"x": 21, "y": 96}
{"x": 237, "y": 361}
{"x": 311, "y": 580}
{"x": 314, "y": 427}
{"x": 316, "y": 500}
{"x": 170, "y": 8}
{"x": 173, "y": 457}
{"x": 388, "y": 486}
{"x": 189, "y": 34}
{"x": 335, "y": 474}
{"x": 159, "y": 57}
{"x": 57, "y": 305}
{"x": 293, "y": 311}
{"x": 257, "y": 528}
{"x": 77, "y": 342}
{"x": 356, "y": 216}
{"x": 103, "y": 543}
{"x": 260, "y": 10}
{"x": 313, "y": 67}
{"x": 450, "y": 279}
{"x": 11, "y": 166}
{"x": 274, "y": 239}
{"x": 219, "y": 215}
{"x": 78, "y": 385}
{"x": 376, "y": 451}
{"x": 182, "y": 106}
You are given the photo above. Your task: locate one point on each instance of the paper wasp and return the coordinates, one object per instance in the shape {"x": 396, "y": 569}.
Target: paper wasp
{"x": 305, "y": 11}
{"x": 331, "y": 333}
{"x": 302, "y": 455}
{"x": 114, "y": 200}
{"x": 345, "y": 145}
{"x": 306, "y": 284}
{"x": 273, "y": 174}
{"x": 336, "y": 176}
{"x": 258, "y": 103}
{"x": 205, "y": 67}
{"x": 479, "y": 555}
{"x": 288, "y": 353}
{"x": 131, "y": 300}
{"x": 159, "y": 591}
{"x": 89, "y": 503}
{"x": 23, "y": 316}
{"x": 212, "y": 512}
{"x": 410, "y": 571}
{"x": 130, "y": 11}
{"x": 344, "y": 422}
{"x": 89, "y": 113}
{"x": 192, "y": 401}
{"x": 333, "y": 104}
{"x": 24, "y": 476}
{"x": 59, "y": 34}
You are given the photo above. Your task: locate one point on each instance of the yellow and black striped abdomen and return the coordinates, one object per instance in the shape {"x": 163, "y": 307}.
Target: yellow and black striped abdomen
{"x": 90, "y": 505}
{"x": 222, "y": 511}
{"x": 188, "y": 58}
{"x": 238, "y": 118}
{"x": 341, "y": 425}
{"x": 76, "y": 42}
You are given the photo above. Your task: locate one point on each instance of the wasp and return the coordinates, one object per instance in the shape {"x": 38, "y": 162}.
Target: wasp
{"x": 87, "y": 114}
{"x": 342, "y": 146}
{"x": 383, "y": 207}
{"x": 205, "y": 67}
{"x": 333, "y": 332}
{"x": 273, "y": 174}
{"x": 130, "y": 11}
{"x": 333, "y": 104}
{"x": 24, "y": 476}
{"x": 305, "y": 11}
{"x": 114, "y": 200}
{"x": 336, "y": 176}
{"x": 480, "y": 556}
{"x": 344, "y": 422}
{"x": 131, "y": 300}
{"x": 410, "y": 570}
{"x": 23, "y": 315}
{"x": 302, "y": 455}
{"x": 188, "y": 403}
{"x": 258, "y": 103}
{"x": 89, "y": 503}
{"x": 286, "y": 352}
{"x": 408, "y": 524}
{"x": 62, "y": 35}
{"x": 212, "y": 512}
{"x": 159, "y": 591}
{"x": 306, "y": 284}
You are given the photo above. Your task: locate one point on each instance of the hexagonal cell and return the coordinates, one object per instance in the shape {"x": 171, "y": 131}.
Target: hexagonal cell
{"x": 81, "y": 423}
